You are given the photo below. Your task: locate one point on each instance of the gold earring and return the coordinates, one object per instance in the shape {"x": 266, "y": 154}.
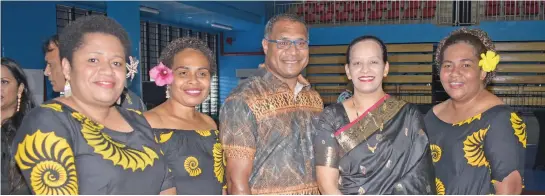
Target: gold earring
{"x": 18, "y": 102}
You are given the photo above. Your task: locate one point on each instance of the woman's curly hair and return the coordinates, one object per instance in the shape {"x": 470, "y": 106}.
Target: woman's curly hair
{"x": 477, "y": 38}
{"x": 180, "y": 44}
{"x": 72, "y": 36}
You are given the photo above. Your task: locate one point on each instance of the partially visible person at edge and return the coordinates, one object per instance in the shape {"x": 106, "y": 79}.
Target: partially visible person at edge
{"x": 82, "y": 143}
{"x": 477, "y": 142}
{"x": 16, "y": 103}
{"x": 371, "y": 143}
{"x": 189, "y": 139}
{"x": 346, "y": 94}
{"x": 265, "y": 122}
{"x": 53, "y": 70}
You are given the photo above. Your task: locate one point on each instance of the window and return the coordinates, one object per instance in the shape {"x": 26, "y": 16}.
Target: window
{"x": 154, "y": 37}
{"x": 67, "y": 14}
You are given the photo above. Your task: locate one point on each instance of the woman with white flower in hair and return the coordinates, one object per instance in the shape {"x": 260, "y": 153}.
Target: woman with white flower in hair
{"x": 477, "y": 142}
{"x": 82, "y": 143}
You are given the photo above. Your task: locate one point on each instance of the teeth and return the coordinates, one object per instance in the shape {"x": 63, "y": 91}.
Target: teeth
{"x": 193, "y": 91}
{"x": 105, "y": 82}
{"x": 456, "y": 83}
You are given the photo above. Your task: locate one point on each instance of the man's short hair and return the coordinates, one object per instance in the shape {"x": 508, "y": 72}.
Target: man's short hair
{"x": 279, "y": 17}
{"x": 54, "y": 39}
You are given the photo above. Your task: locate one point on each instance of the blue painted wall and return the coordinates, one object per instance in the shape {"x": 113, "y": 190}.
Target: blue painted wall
{"x": 244, "y": 42}
{"x": 27, "y": 25}
{"x": 22, "y": 36}
{"x": 411, "y": 33}
{"x": 254, "y": 7}
{"x": 128, "y": 15}
{"x": 227, "y": 71}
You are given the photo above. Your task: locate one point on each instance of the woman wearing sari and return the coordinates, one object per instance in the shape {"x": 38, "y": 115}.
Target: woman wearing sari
{"x": 371, "y": 143}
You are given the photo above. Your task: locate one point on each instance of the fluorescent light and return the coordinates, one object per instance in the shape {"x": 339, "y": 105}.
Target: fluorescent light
{"x": 220, "y": 26}
{"x": 149, "y": 10}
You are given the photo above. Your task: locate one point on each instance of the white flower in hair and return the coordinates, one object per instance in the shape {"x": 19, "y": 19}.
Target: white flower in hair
{"x": 132, "y": 67}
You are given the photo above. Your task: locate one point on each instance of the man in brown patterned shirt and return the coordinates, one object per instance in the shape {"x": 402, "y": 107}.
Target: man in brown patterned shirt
{"x": 264, "y": 123}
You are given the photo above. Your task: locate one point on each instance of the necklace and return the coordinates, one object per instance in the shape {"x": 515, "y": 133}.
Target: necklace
{"x": 372, "y": 149}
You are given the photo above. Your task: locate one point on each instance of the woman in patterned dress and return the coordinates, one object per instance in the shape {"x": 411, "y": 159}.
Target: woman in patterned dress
{"x": 371, "y": 143}
{"x": 477, "y": 141}
{"x": 81, "y": 143}
{"x": 189, "y": 139}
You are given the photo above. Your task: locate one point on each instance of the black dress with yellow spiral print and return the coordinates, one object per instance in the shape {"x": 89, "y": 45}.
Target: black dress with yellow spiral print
{"x": 470, "y": 156}
{"x": 195, "y": 158}
{"x": 61, "y": 151}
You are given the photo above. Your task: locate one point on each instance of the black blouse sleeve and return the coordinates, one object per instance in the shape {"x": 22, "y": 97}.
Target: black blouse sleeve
{"x": 504, "y": 145}
{"x": 43, "y": 150}
{"x": 326, "y": 147}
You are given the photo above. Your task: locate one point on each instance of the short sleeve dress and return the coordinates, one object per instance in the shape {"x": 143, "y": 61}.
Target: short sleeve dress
{"x": 61, "y": 151}
{"x": 195, "y": 158}
{"x": 470, "y": 156}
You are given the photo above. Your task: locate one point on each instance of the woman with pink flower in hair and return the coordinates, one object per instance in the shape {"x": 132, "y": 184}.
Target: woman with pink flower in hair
{"x": 189, "y": 138}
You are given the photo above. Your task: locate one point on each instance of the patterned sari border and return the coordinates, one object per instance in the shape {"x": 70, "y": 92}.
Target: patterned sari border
{"x": 373, "y": 107}
{"x": 358, "y": 132}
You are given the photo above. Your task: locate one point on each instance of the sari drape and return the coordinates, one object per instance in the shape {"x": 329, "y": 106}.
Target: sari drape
{"x": 384, "y": 151}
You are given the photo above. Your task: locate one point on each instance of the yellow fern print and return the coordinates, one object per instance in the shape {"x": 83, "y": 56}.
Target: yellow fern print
{"x": 135, "y": 111}
{"x": 219, "y": 169}
{"x": 204, "y": 133}
{"x": 191, "y": 165}
{"x": 435, "y": 153}
{"x": 119, "y": 153}
{"x": 164, "y": 137}
{"x": 469, "y": 120}
{"x": 440, "y": 187}
{"x": 54, "y": 106}
{"x": 51, "y": 161}
{"x": 519, "y": 127}
{"x": 473, "y": 148}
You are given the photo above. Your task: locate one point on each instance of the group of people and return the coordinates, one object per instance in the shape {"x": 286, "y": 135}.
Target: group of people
{"x": 274, "y": 135}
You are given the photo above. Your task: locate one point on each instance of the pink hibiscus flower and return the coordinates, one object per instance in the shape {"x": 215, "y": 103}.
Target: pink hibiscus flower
{"x": 161, "y": 74}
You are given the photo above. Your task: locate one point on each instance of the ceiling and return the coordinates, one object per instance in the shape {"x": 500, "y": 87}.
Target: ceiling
{"x": 240, "y": 16}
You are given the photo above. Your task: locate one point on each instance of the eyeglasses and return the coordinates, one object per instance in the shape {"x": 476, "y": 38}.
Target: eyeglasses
{"x": 286, "y": 44}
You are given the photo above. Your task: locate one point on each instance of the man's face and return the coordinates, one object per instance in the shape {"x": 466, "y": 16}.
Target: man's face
{"x": 53, "y": 69}
{"x": 286, "y": 62}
